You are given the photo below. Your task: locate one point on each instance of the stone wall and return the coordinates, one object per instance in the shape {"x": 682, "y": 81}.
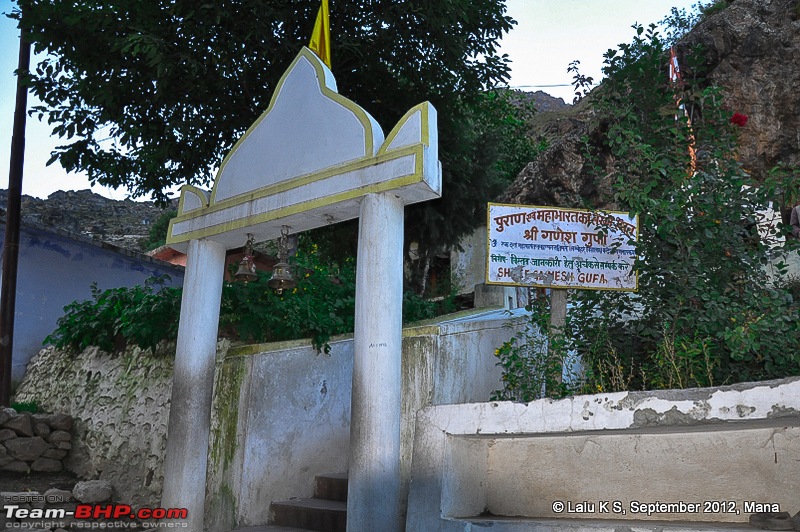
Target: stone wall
{"x": 120, "y": 406}
{"x": 38, "y": 442}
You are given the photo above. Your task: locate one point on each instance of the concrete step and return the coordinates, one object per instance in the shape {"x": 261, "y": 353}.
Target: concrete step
{"x": 310, "y": 514}
{"x": 332, "y": 486}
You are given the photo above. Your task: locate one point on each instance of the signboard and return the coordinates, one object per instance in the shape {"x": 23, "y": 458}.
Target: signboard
{"x": 561, "y": 248}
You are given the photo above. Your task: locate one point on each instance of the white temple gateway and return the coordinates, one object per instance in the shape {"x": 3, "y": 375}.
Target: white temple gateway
{"x": 313, "y": 158}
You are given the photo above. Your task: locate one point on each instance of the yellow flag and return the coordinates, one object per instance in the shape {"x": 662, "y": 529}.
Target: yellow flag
{"x": 321, "y": 38}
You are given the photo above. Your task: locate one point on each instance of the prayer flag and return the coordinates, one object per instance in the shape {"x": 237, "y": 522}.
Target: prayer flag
{"x": 321, "y": 37}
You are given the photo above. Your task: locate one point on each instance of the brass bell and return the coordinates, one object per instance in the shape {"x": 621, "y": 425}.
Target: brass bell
{"x": 247, "y": 268}
{"x": 281, "y": 278}
{"x": 246, "y": 271}
{"x": 281, "y": 274}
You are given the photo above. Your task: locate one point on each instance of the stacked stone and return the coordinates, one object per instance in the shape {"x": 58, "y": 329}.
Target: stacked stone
{"x": 33, "y": 442}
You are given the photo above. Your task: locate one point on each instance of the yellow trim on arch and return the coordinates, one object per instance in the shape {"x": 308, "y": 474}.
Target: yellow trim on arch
{"x": 317, "y": 64}
{"x": 424, "y": 132}
{"x": 191, "y": 189}
{"x": 289, "y": 210}
{"x": 300, "y": 181}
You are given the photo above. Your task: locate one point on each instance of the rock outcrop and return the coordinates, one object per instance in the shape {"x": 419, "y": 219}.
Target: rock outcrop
{"x": 122, "y": 223}
{"x": 751, "y": 50}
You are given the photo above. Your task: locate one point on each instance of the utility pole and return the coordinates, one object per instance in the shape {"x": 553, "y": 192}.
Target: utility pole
{"x": 8, "y": 294}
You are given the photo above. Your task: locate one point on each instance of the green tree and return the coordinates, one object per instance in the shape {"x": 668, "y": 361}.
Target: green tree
{"x": 157, "y": 235}
{"x": 705, "y": 313}
{"x": 153, "y": 94}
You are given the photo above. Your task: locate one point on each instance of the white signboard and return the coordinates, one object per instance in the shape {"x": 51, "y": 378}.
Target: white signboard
{"x": 561, "y": 248}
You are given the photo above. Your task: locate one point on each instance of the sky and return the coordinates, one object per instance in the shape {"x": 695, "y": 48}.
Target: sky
{"x": 549, "y": 35}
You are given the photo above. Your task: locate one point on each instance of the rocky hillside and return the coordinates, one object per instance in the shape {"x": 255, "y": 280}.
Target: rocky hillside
{"x": 122, "y": 223}
{"x": 542, "y": 101}
{"x": 751, "y": 47}
{"x": 752, "y": 50}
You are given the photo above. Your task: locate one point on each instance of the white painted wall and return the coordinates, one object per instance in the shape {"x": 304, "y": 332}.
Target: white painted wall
{"x": 284, "y": 414}
{"x": 733, "y": 444}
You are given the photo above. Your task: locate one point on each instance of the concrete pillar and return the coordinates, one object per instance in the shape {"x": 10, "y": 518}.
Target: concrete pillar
{"x": 373, "y": 500}
{"x": 192, "y": 382}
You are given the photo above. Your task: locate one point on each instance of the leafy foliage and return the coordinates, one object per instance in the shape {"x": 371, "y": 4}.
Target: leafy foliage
{"x": 321, "y": 306}
{"x": 27, "y": 406}
{"x": 157, "y": 235}
{"x": 141, "y": 315}
{"x": 705, "y": 312}
{"x": 149, "y": 95}
{"x": 533, "y": 361}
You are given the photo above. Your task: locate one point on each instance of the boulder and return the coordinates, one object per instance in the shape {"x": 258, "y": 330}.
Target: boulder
{"x": 16, "y": 466}
{"x": 90, "y": 491}
{"x": 20, "y": 424}
{"x": 26, "y": 449}
{"x": 59, "y": 436}
{"x": 46, "y": 465}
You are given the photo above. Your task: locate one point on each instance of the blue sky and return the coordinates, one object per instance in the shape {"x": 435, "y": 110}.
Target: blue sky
{"x": 549, "y": 35}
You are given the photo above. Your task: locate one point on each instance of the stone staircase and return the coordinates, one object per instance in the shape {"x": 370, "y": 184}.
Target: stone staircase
{"x": 325, "y": 512}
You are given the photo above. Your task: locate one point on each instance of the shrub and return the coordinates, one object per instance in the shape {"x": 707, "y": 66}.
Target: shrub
{"x": 113, "y": 318}
{"x": 321, "y": 306}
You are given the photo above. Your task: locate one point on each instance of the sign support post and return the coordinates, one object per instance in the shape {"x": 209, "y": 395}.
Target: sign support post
{"x": 558, "y": 319}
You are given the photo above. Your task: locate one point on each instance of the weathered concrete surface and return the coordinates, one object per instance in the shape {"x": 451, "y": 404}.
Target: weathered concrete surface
{"x": 733, "y": 444}
{"x": 192, "y": 382}
{"x": 282, "y": 412}
{"x": 373, "y": 500}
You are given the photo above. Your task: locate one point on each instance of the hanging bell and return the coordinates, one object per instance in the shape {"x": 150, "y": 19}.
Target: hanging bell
{"x": 247, "y": 268}
{"x": 281, "y": 278}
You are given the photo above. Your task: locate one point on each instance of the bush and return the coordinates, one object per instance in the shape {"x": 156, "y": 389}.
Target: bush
{"x": 533, "y": 361}
{"x": 705, "y": 312}
{"x": 114, "y": 318}
{"x": 321, "y": 306}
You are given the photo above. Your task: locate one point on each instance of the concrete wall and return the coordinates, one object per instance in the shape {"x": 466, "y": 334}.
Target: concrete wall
{"x": 282, "y": 412}
{"x": 468, "y": 267}
{"x": 732, "y": 445}
{"x": 56, "y": 269}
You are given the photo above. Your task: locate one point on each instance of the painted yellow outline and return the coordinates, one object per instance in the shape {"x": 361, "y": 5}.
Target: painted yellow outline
{"x": 424, "y": 131}
{"x": 290, "y": 210}
{"x": 300, "y": 181}
{"x": 199, "y": 192}
{"x": 489, "y": 206}
{"x": 317, "y": 64}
